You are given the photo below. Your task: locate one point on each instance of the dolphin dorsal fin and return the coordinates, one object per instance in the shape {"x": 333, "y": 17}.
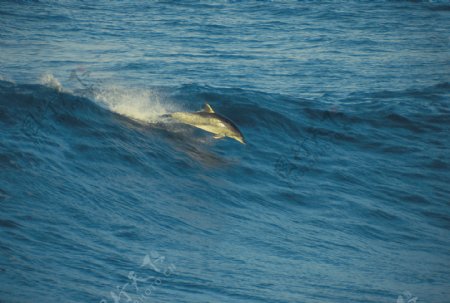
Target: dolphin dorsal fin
{"x": 208, "y": 109}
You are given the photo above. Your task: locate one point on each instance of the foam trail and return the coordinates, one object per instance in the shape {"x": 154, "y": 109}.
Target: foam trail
{"x": 139, "y": 104}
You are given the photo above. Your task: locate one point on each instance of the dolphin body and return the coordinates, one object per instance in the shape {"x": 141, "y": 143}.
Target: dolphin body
{"x": 209, "y": 121}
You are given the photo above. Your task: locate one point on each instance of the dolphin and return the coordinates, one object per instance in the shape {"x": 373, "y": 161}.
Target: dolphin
{"x": 209, "y": 121}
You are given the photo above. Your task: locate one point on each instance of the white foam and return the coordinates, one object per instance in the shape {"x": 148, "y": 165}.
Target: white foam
{"x": 145, "y": 105}
{"x": 140, "y": 104}
{"x": 51, "y": 81}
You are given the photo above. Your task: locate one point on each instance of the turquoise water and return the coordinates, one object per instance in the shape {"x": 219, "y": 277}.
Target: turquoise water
{"x": 340, "y": 194}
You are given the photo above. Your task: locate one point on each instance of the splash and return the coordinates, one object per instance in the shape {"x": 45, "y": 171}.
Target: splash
{"x": 145, "y": 105}
{"x": 139, "y": 104}
{"x": 51, "y": 81}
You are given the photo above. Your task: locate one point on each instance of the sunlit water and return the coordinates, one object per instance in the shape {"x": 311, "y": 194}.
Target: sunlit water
{"x": 340, "y": 195}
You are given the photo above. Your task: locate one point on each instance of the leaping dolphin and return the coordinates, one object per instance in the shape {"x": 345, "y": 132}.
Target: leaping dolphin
{"x": 208, "y": 120}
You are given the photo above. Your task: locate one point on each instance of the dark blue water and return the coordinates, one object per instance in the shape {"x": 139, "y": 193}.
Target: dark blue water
{"x": 341, "y": 194}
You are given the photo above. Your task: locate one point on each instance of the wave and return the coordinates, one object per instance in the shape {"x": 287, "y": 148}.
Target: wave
{"x": 365, "y": 167}
{"x": 263, "y": 117}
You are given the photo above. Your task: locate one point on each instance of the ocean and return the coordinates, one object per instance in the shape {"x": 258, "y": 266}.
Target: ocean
{"x": 341, "y": 193}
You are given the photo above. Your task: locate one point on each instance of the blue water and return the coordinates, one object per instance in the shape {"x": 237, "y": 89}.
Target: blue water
{"x": 340, "y": 195}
